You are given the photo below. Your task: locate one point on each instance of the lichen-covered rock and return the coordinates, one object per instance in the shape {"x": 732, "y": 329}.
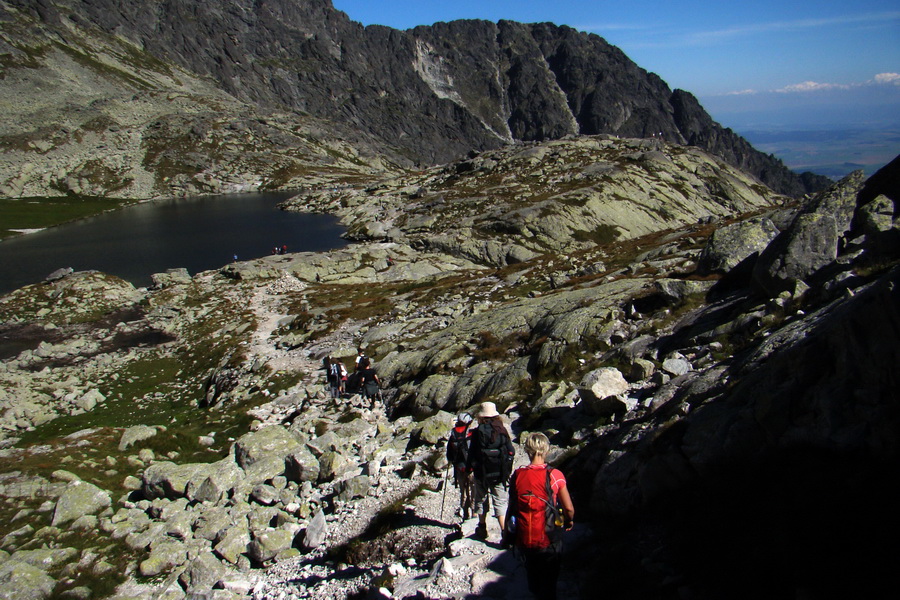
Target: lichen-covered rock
{"x": 164, "y": 556}
{"x": 169, "y": 480}
{"x": 170, "y": 277}
{"x": 353, "y": 488}
{"x": 136, "y": 434}
{"x": 79, "y": 498}
{"x": 731, "y": 245}
{"x": 202, "y": 573}
{"x": 21, "y": 581}
{"x": 234, "y": 543}
{"x": 269, "y": 441}
{"x": 435, "y": 428}
{"x": 45, "y": 559}
{"x": 212, "y": 483}
{"x": 332, "y": 465}
{"x": 266, "y": 545}
{"x": 811, "y": 242}
{"x": 302, "y": 465}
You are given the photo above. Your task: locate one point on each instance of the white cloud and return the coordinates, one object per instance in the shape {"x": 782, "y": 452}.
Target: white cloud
{"x": 888, "y": 79}
{"x": 811, "y": 86}
{"x": 747, "y": 92}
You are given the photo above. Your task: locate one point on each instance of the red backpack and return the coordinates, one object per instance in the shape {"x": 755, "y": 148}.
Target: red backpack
{"x": 539, "y": 520}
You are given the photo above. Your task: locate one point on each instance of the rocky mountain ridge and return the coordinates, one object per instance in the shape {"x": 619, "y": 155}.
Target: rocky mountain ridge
{"x": 423, "y": 96}
{"x": 181, "y": 436}
{"x": 504, "y": 206}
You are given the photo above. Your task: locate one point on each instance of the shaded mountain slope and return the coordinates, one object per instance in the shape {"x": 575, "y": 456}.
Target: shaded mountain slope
{"x": 428, "y": 94}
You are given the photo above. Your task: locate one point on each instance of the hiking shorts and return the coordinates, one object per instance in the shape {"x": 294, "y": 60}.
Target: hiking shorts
{"x": 495, "y": 495}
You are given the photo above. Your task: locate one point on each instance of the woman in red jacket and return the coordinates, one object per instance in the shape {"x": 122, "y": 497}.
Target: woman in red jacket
{"x": 539, "y": 509}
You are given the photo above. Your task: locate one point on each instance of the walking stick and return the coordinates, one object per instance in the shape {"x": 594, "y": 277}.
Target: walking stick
{"x": 445, "y": 491}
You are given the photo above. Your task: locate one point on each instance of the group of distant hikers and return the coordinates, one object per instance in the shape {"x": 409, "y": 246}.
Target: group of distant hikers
{"x": 532, "y": 504}
{"x": 364, "y": 380}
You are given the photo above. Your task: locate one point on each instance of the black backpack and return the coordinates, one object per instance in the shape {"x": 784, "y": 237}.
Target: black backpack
{"x": 496, "y": 459}
{"x": 457, "y": 447}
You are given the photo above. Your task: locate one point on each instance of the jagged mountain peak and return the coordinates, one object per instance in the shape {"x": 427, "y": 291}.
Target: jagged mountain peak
{"x": 422, "y": 96}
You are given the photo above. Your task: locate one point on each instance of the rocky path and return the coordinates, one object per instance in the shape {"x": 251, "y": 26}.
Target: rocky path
{"x": 460, "y": 566}
{"x": 465, "y": 567}
{"x": 454, "y": 564}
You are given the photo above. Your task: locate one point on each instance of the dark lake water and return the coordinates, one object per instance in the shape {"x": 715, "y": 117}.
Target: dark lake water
{"x": 198, "y": 233}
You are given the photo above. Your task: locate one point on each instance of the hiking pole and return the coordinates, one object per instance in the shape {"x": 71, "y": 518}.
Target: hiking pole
{"x": 445, "y": 492}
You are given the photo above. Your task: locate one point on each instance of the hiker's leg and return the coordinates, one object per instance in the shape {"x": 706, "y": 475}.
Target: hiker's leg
{"x": 499, "y": 498}
{"x": 481, "y": 501}
{"x": 542, "y": 568}
{"x": 482, "y": 498}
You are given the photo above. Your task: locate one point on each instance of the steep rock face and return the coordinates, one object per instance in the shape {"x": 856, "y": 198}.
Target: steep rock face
{"x": 431, "y": 93}
{"x": 794, "y": 430}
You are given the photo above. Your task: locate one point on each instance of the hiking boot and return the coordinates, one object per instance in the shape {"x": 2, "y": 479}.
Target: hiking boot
{"x": 481, "y": 532}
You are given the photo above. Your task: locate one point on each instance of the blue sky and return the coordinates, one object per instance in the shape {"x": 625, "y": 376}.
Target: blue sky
{"x": 823, "y": 60}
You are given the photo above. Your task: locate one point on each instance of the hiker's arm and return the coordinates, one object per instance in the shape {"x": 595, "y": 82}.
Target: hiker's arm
{"x": 511, "y": 504}
{"x": 568, "y": 507}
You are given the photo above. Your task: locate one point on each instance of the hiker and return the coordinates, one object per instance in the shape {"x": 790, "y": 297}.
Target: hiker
{"x": 369, "y": 380}
{"x": 329, "y": 374}
{"x": 344, "y": 375}
{"x": 540, "y": 508}
{"x": 457, "y": 454}
{"x": 490, "y": 459}
{"x": 360, "y": 355}
{"x": 334, "y": 378}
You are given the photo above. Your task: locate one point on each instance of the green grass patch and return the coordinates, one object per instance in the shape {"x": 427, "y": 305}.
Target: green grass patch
{"x": 38, "y": 213}
{"x": 603, "y": 234}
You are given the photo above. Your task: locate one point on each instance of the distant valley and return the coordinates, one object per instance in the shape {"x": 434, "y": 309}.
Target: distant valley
{"x": 833, "y": 152}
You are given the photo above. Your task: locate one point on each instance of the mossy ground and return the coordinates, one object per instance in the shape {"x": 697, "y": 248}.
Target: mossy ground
{"x": 39, "y": 213}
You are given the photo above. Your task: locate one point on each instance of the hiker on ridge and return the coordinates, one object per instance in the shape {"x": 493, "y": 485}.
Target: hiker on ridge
{"x": 491, "y": 455}
{"x": 540, "y": 508}
{"x": 457, "y": 455}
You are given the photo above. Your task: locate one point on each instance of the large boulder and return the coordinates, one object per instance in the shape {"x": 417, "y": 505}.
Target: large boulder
{"x": 600, "y": 389}
{"x": 234, "y": 543}
{"x": 731, "y": 245}
{"x": 813, "y": 239}
{"x": 353, "y": 488}
{"x": 169, "y": 480}
{"x": 21, "y": 581}
{"x": 267, "y": 545}
{"x": 435, "y": 428}
{"x": 79, "y": 498}
{"x": 334, "y": 464}
{"x": 269, "y": 441}
{"x": 316, "y": 531}
{"x": 203, "y": 573}
{"x": 136, "y": 434}
{"x": 212, "y": 484}
{"x": 302, "y": 465}
{"x": 163, "y": 557}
